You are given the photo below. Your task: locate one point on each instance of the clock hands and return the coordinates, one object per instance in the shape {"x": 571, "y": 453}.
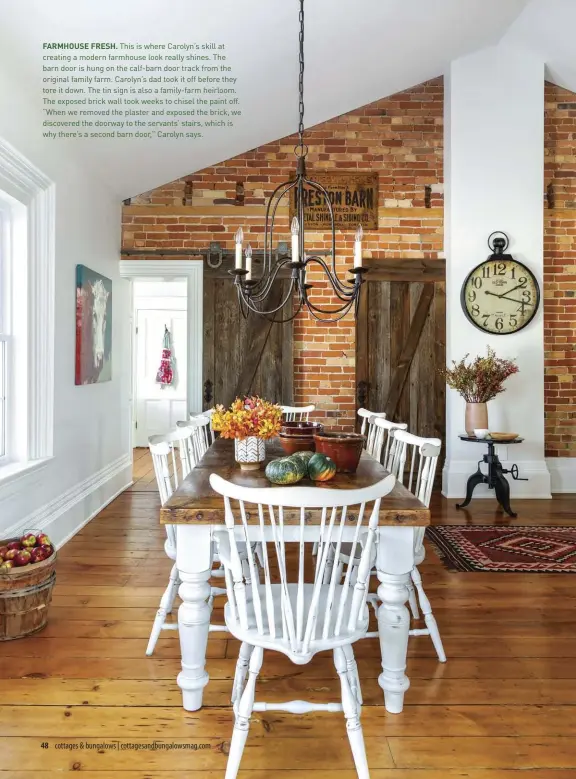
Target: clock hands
{"x": 509, "y": 290}
{"x": 505, "y": 296}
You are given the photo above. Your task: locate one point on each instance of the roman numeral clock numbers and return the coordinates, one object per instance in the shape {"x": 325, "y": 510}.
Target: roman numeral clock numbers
{"x": 500, "y": 296}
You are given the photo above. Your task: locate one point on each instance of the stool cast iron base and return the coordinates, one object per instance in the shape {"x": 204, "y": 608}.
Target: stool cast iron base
{"x": 495, "y": 480}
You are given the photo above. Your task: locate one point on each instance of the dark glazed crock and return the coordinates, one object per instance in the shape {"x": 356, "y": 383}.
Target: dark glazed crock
{"x": 344, "y": 449}
{"x": 297, "y": 443}
{"x": 301, "y": 428}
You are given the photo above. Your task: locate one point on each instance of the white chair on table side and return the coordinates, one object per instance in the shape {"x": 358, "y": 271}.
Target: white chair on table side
{"x": 414, "y": 465}
{"x": 200, "y": 440}
{"x": 367, "y": 428}
{"x": 296, "y": 618}
{"x": 382, "y": 441}
{"x": 297, "y": 413}
{"x": 208, "y": 413}
{"x": 384, "y": 445}
{"x": 163, "y": 450}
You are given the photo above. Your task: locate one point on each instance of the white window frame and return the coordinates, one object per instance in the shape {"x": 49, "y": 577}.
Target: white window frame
{"x": 27, "y": 201}
{"x": 5, "y": 329}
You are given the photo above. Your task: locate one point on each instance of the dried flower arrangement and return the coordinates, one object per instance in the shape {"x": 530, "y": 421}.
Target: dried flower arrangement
{"x": 251, "y": 416}
{"x": 480, "y": 380}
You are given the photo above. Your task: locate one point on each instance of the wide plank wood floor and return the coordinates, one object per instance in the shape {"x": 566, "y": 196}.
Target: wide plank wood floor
{"x": 82, "y": 697}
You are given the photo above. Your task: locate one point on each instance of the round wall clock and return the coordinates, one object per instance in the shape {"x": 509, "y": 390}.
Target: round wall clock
{"x": 501, "y": 295}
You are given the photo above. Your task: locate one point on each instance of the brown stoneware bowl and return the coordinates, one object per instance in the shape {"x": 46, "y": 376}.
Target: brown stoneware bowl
{"x": 301, "y": 428}
{"x": 297, "y": 443}
{"x": 344, "y": 449}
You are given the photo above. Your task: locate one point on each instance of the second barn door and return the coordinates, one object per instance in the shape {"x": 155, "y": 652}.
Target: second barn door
{"x": 401, "y": 344}
{"x": 243, "y": 356}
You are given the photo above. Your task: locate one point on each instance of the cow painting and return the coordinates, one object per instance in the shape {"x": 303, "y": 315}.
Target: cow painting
{"x": 93, "y": 327}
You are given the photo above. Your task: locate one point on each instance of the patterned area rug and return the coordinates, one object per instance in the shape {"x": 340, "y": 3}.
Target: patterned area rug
{"x": 505, "y": 549}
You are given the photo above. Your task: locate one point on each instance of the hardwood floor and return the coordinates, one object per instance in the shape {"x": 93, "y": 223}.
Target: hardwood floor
{"x": 143, "y": 472}
{"x": 81, "y": 696}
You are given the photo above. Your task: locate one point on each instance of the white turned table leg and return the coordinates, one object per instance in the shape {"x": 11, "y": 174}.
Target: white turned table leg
{"x": 393, "y": 566}
{"x": 194, "y": 560}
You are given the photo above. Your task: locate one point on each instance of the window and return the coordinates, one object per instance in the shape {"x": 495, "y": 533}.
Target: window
{"x": 27, "y": 218}
{"x": 4, "y": 321}
{"x": 13, "y": 331}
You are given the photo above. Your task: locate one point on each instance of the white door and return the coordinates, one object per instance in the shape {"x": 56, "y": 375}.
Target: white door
{"x": 158, "y": 409}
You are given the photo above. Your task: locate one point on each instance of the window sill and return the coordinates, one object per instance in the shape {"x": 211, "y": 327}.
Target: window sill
{"x": 12, "y": 473}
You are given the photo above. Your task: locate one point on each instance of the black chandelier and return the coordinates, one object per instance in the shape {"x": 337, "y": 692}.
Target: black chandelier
{"x": 257, "y": 294}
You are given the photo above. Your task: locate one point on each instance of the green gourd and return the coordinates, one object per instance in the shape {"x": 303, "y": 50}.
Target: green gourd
{"x": 321, "y": 467}
{"x": 304, "y": 458}
{"x": 284, "y": 471}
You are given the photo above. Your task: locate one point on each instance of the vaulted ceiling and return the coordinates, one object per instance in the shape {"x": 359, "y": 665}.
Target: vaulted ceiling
{"x": 357, "y": 51}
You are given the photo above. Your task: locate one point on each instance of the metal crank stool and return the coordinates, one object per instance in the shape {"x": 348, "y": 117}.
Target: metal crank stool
{"x": 495, "y": 478}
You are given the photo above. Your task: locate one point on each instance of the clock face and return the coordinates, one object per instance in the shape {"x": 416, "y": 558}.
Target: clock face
{"x": 500, "y": 296}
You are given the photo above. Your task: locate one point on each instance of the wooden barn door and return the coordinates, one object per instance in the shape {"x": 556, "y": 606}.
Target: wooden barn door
{"x": 401, "y": 343}
{"x": 243, "y": 356}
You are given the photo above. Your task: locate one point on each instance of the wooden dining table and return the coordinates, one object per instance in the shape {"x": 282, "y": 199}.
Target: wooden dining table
{"x": 197, "y": 511}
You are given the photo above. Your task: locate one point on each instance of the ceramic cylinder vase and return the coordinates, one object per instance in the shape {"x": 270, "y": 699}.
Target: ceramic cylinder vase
{"x": 249, "y": 452}
{"x": 476, "y": 417}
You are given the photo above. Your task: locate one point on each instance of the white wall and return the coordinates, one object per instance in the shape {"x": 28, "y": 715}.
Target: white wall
{"x": 494, "y": 153}
{"x": 92, "y": 460}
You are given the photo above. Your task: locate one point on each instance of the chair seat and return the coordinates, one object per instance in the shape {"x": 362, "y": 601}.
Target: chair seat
{"x": 318, "y": 644}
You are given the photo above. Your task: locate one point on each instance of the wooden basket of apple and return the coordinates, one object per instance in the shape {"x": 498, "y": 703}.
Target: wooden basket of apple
{"x": 27, "y": 578}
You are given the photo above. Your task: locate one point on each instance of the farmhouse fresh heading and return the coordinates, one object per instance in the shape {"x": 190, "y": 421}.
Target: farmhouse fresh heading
{"x": 93, "y": 45}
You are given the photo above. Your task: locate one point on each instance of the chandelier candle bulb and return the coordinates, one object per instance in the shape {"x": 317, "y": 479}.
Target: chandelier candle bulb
{"x": 239, "y": 237}
{"x": 295, "y": 229}
{"x": 358, "y": 247}
{"x": 249, "y": 262}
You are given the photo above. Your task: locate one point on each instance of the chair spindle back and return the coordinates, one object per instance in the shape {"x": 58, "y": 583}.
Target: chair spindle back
{"x": 199, "y": 441}
{"x": 170, "y": 452}
{"x": 307, "y": 614}
{"x": 367, "y": 428}
{"x": 297, "y": 413}
{"x": 383, "y": 442}
{"x": 414, "y": 463}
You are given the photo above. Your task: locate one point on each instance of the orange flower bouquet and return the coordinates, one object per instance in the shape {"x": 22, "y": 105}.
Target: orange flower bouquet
{"x": 249, "y": 421}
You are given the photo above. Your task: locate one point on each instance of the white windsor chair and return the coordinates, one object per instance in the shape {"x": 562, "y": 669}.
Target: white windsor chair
{"x": 209, "y": 431}
{"x": 290, "y": 616}
{"x": 170, "y": 468}
{"x": 382, "y": 440}
{"x": 367, "y": 428}
{"x": 202, "y": 435}
{"x": 297, "y": 413}
{"x": 414, "y": 465}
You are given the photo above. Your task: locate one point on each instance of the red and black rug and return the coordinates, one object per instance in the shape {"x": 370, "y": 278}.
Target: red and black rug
{"x": 505, "y": 549}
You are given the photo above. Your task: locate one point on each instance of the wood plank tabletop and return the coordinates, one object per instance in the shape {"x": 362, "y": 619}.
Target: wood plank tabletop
{"x": 195, "y": 501}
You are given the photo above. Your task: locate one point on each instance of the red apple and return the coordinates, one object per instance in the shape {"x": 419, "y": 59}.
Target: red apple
{"x": 28, "y": 541}
{"x": 11, "y": 554}
{"x": 14, "y": 545}
{"x": 23, "y": 557}
{"x": 6, "y": 565}
{"x": 42, "y": 539}
{"x": 37, "y": 555}
{"x": 3, "y": 550}
{"x": 47, "y": 549}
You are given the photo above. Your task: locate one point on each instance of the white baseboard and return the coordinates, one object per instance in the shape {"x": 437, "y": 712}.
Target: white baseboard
{"x": 455, "y": 476}
{"x": 562, "y": 473}
{"x": 64, "y": 516}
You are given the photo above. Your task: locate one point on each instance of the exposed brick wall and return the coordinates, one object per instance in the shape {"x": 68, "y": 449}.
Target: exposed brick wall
{"x": 400, "y": 137}
{"x": 560, "y": 273}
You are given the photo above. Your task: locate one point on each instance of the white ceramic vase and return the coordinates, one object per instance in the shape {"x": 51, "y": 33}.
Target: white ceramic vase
{"x": 249, "y": 452}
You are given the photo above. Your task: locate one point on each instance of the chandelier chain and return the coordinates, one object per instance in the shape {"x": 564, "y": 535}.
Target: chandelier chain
{"x": 301, "y": 79}
{"x": 253, "y": 294}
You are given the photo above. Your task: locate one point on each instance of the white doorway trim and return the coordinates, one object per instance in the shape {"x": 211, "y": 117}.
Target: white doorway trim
{"x": 167, "y": 270}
